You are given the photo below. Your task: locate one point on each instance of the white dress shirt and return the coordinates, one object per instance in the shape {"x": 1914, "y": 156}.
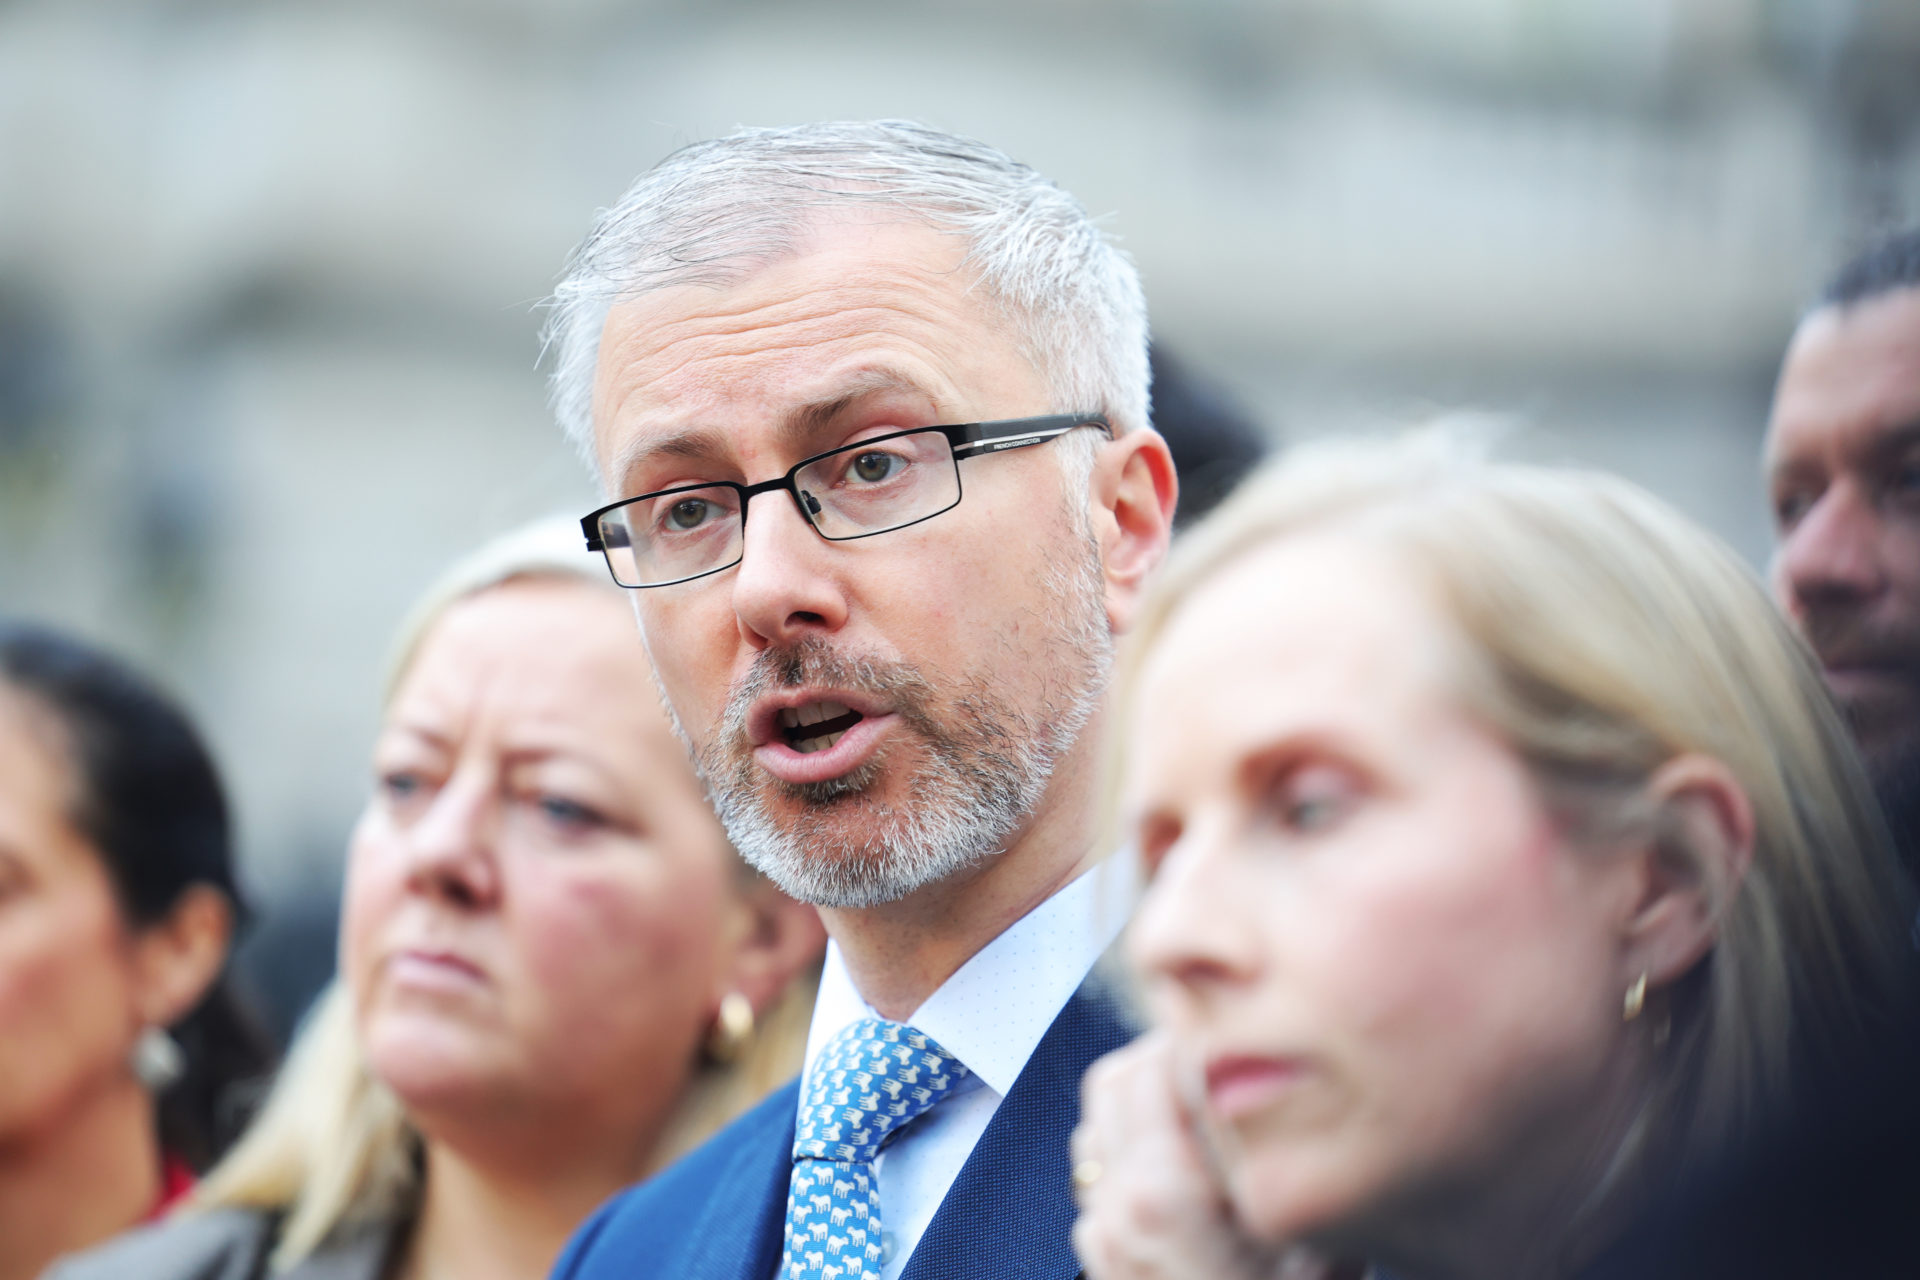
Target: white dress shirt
{"x": 991, "y": 1015}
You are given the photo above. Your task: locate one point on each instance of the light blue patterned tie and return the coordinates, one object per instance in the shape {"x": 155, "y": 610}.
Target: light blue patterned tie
{"x": 869, "y": 1082}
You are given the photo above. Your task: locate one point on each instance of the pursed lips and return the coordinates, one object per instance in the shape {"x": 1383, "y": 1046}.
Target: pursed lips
{"x": 433, "y": 966}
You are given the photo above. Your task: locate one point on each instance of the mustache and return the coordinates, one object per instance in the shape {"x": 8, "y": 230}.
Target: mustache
{"x": 813, "y": 660}
{"x": 1843, "y": 637}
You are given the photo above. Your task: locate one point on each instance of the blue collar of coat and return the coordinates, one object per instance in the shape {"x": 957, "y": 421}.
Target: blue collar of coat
{"x": 718, "y": 1213}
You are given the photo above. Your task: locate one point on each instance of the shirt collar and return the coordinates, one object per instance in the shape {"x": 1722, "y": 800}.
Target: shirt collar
{"x": 995, "y": 1008}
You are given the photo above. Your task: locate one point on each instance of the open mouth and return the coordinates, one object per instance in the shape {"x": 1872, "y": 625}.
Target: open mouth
{"x": 817, "y": 725}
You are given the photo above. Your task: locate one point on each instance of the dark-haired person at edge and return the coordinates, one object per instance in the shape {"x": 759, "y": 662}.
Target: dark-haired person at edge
{"x": 1842, "y": 462}
{"x": 1213, "y": 441}
{"x": 554, "y": 974}
{"x": 120, "y": 1044}
{"x": 869, "y": 402}
{"x": 1834, "y": 1187}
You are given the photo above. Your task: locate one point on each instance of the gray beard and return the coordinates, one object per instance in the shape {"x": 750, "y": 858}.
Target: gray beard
{"x": 985, "y": 767}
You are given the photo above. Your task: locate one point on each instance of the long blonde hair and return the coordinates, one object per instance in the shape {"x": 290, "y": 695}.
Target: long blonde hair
{"x": 1605, "y": 635}
{"x": 332, "y": 1149}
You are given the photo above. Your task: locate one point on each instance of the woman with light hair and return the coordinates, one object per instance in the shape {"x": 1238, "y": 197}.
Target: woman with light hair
{"x": 1508, "y": 863}
{"x": 552, "y": 964}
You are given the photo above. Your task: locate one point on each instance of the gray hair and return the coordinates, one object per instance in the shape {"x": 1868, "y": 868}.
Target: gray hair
{"x": 711, "y": 213}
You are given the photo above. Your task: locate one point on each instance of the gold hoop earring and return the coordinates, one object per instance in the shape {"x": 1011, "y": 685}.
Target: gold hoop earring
{"x": 732, "y": 1029}
{"x": 1636, "y": 999}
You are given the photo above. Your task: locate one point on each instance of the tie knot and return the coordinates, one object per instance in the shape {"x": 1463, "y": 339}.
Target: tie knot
{"x": 871, "y": 1079}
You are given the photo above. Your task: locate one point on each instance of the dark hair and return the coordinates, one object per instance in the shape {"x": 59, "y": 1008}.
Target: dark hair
{"x": 1892, "y": 264}
{"x": 148, "y": 799}
{"x": 1213, "y": 442}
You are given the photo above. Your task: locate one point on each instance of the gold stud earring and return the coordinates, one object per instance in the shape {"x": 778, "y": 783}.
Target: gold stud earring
{"x": 732, "y": 1028}
{"x": 1636, "y": 999}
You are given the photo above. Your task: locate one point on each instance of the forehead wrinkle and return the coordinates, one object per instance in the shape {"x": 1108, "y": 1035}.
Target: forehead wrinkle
{"x": 690, "y": 341}
{"x": 803, "y": 421}
{"x": 704, "y": 379}
{"x": 891, "y": 284}
{"x": 796, "y": 428}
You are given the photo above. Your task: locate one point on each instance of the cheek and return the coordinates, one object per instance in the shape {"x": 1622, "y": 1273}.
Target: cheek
{"x": 1455, "y": 998}
{"x": 1458, "y": 977}
{"x": 67, "y": 1014}
{"x": 1780, "y": 582}
{"x": 693, "y": 647}
{"x": 622, "y": 951}
{"x": 375, "y": 885}
{"x": 1903, "y": 556}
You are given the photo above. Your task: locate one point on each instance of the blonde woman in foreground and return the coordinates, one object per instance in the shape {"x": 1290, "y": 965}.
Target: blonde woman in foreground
{"x": 1509, "y": 861}
{"x": 551, "y": 963}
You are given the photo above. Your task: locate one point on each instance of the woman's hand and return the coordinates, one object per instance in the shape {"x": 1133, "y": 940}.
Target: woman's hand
{"x": 1150, "y": 1208}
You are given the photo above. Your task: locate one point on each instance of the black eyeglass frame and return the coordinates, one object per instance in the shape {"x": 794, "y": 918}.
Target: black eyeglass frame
{"x": 964, "y": 440}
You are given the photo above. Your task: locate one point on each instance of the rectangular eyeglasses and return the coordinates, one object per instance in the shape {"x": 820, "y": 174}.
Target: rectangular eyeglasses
{"x": 869, "y": 487}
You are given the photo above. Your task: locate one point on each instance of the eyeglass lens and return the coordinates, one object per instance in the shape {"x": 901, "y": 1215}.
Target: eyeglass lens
{"x": 866, "y": 488}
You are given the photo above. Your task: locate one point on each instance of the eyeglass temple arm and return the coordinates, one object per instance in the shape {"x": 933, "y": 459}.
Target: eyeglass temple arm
{"x": 976, "y": 438}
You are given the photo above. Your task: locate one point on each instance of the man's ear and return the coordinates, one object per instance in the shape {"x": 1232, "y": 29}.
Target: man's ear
{"x": 780, "y": 937}
{"x": 1699, "y": 852}
{"x": 177, "y": 958}
{"x": 1133, "y": 494}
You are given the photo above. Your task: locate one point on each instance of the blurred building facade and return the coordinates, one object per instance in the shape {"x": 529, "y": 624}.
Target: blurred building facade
{"x": 269, "y": 273}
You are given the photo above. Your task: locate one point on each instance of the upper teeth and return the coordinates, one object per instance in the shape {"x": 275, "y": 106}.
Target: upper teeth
{"x": 811, "y": 713}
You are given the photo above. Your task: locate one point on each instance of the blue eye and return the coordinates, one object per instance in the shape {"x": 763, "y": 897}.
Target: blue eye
{"x": 400, "y": 784}
{"x": 569, "y": 813}
{"x": 1310, "y": 814}
{"x": 1314, "y": 798}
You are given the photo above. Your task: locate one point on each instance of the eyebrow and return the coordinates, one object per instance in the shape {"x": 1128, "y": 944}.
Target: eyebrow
{"x": 1884, "y": 447}
{"x": 798, "y": 429}
{"x": 433, "y": 737}
{"x": 1898, "y": 440}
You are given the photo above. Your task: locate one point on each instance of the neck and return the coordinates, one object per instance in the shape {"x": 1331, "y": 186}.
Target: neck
{"x": 72, "y": 1184}
{"x": 504, "y": 1216}
{"x": 1543, "y": 1212}
{"x": 899, "y": 953}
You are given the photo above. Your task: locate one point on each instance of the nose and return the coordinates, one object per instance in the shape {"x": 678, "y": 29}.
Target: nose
{"x": 1196, "y": 930}
{"x": 451, "y": 848}
{"x": 785, "y": 585}
{"x": 1832, "y": 556}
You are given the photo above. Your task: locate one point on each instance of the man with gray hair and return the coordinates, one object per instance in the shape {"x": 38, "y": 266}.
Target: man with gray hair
{"x": 891, "y": 671}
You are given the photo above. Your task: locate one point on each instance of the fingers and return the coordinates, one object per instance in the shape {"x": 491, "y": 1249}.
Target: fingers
{"x": 1150, "y": 1209}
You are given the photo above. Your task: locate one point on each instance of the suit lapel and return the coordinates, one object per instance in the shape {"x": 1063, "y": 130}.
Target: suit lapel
{"x": 1010, "y": 1211}
{"x": 737, "y": 1233}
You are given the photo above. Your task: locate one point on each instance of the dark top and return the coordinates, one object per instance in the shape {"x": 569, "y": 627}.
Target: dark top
{"x": 224, "y": 1244}
{"x": 719, "y": 1213}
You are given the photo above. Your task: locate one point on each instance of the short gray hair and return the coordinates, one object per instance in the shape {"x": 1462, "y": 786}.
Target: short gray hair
{"x": 713, "y": 212}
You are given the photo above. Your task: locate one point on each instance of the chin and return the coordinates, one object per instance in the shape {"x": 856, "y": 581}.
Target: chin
{"x": 429, "y": 1064}
{"x": 1284, "y": 1197}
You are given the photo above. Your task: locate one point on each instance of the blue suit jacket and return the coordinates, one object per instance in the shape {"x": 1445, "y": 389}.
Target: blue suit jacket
{"x": 718, "y": 1213}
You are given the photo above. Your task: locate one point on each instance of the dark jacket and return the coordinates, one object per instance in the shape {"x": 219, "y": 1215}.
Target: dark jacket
{"x": 718, "y": 1214}
{"x": 222, "y": 1244}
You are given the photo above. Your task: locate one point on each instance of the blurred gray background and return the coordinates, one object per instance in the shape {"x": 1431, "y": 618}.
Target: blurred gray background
{"x": 269, "y": 273}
